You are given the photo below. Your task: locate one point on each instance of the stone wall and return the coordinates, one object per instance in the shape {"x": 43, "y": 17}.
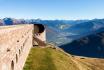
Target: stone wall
{"x": 15, "y": 44}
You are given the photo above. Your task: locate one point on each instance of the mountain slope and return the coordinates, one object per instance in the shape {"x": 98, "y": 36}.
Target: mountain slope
{"x": 49, "y": 59}
{"x": 66, "y": 33}
{"x": 89, "y": 46}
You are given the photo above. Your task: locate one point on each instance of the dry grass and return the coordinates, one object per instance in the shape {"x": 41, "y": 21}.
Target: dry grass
{"x": 48, "y": 59}
{"x": 52, "y": 58}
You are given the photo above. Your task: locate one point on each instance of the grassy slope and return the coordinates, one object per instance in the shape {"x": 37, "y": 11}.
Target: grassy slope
{"x": 48, "y": 59}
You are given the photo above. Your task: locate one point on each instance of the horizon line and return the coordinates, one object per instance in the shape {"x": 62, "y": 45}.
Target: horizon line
{"x": 51, "y": 19}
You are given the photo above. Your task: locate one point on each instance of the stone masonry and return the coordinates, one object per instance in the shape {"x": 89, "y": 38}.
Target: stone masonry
{"x": 15, "y": 44}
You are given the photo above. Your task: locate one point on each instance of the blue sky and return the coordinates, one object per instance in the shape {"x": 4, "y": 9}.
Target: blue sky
{"x": 52, "y": 9}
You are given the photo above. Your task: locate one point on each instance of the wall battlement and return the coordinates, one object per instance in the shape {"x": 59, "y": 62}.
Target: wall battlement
{"x": 15, "y": 44}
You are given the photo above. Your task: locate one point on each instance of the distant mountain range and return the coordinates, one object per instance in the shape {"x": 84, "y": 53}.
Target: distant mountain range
{"x": 67, "y": 32}
{"x": 88, "y": 46}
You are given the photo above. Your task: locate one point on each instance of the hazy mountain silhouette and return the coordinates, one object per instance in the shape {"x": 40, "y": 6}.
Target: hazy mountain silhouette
{"x": 8, "y": 21}
{"x": 89, "y": 46}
